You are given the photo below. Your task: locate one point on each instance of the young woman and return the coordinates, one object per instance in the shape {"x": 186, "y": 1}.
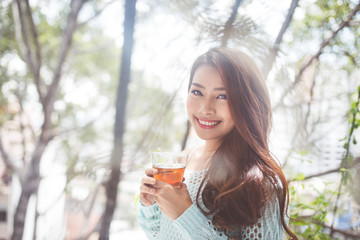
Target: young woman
{"x": 233, "y": 188}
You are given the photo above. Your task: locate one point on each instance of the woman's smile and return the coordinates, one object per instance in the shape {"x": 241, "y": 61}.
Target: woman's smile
{"x": 207, "y": 124}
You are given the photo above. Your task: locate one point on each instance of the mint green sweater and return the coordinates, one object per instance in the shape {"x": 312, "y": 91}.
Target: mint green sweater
{"x": 194, "y": 225}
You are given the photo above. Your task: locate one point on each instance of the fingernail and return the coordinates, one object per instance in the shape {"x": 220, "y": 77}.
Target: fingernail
{"x": 153, "y": 181}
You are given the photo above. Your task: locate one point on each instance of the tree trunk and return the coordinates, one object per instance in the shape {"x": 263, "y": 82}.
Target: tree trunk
{"x": 29, "y": 186}
{"x": 19, "y": 218}
{"x": 111, "y": 185}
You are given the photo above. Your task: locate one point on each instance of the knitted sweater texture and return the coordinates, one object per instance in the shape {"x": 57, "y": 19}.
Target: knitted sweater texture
{"x": 194, "y": 225}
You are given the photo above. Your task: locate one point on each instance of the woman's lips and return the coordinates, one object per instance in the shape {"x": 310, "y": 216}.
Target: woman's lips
{"x": 207, "y": 124}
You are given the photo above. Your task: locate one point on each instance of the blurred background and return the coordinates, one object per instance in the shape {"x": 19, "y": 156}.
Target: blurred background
{"x": 89, "y": 88}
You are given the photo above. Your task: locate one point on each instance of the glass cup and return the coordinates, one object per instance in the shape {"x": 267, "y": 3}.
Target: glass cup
{"x": 170, "y": 166}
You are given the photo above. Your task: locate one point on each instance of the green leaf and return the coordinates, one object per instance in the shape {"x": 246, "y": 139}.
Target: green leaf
{"x": 343, "y": 139}
{"x": 303, "y": 152}
{"x": 299, "y": 177}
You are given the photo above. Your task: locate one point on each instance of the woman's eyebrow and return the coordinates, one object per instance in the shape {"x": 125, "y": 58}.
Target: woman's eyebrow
{"x": 198, "y": 85}
{"x": 219, "y": 89}
{"x": 201, "y": 86}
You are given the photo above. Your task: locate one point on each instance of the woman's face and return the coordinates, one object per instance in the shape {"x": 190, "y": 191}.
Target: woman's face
{"x": 207, "y": 105}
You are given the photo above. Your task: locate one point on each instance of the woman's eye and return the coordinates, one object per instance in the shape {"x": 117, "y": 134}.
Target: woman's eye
{"x": 196, "y": 92}
{"x": 222, "y": 96}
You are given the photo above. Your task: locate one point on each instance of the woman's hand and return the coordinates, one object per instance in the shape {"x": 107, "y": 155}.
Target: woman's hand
{"x": 172, "y": 201}
{"x": 147, "y": 189}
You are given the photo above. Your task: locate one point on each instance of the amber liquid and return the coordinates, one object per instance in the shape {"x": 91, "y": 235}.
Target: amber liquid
{"x": 172, "y": 174}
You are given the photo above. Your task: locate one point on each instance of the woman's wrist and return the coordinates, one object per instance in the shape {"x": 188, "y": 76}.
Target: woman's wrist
{"x": 185, "y": 206}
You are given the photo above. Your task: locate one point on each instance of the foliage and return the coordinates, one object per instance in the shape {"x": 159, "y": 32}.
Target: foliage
{"x": 320, "y": 20}
{"x": 319, "y": 102}
{"x": 310, "y": 226}
{"x": 309, "y": 211}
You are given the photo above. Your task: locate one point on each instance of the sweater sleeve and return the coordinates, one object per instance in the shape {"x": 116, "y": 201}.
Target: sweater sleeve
{"x": 148, "y": 218}
{"x": 194, "y": 225}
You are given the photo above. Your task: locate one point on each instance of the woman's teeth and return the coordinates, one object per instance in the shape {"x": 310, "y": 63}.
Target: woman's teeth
{"x": 207, "y": 123}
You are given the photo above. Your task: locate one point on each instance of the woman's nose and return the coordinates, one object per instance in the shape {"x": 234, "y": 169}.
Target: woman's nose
{"x": 207, "y": 107}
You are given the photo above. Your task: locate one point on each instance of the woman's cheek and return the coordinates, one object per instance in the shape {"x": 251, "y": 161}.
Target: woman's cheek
{"x": 190, "y": 104}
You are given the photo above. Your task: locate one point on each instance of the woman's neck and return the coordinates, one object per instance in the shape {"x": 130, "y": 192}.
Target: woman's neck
{"x": 211, "y": 146}
{"x": 201, "y": 156}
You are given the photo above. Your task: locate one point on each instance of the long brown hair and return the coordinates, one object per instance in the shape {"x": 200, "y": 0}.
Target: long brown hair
{"x": 242, "y": 175}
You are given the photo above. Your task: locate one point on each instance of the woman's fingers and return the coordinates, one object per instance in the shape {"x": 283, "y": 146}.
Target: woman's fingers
{"x": 148, "y": 180}
{"x": 151, "y": 172}
{"x": 160, "y": 184}
{"x": 147, "y": 194}
{"x": 144, "y": 198}
{"x": 145, "y": 188}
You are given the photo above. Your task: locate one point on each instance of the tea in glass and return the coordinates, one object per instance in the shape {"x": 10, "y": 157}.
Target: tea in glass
{"x": 170, "y": 166}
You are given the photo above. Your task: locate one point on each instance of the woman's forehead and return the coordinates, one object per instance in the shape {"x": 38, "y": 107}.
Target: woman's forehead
{"x": 207, "y": 75}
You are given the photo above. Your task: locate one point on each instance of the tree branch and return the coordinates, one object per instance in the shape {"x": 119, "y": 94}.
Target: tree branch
{"x": 22, "y": 126}
{"x": 318, "y": 174}
{"x": 269, "y": 61}
{"x": 22, "y": 34}
{"x": 229, "y": 23}
{"x": 18, "y": 33}
{"x": 37, "y": 65}
{"x": 96, "y": 14}
{"x": 50, "y": 97}
{"x": 55, "y": 134}
{"x": 317, "y": 55}
{"x": 357, "y": 161}
{"x": 25, "y": 35}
